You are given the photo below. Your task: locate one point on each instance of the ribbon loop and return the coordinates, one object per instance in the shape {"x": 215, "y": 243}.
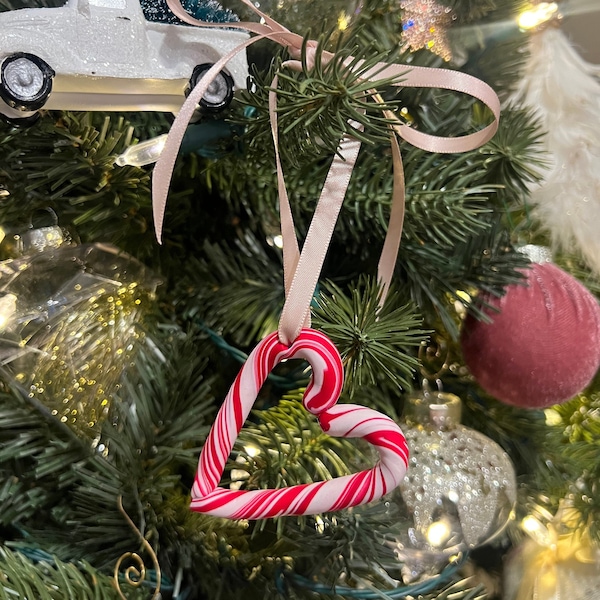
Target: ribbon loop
{"x": 296, "y": 309}
{"x": 302, "y": 269}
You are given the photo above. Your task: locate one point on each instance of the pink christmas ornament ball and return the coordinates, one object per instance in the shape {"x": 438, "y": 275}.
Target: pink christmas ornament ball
{"x": 542, "y": 347}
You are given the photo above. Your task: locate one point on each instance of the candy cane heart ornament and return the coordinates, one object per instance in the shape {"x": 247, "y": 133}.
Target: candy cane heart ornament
{"x": 320, "y": 398}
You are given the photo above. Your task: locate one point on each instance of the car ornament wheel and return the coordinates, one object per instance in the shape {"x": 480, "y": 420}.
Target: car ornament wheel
{"x": 220, "y": 91}
{"x": 25, "y": 81}
{"x": 28, "y": 121}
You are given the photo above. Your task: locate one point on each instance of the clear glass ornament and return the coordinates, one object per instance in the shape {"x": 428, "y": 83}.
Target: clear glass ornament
{"x": 459, "y": 492}
{"x": 69, "y": 323}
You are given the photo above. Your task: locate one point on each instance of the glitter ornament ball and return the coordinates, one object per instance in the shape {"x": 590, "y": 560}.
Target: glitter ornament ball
{"x": 460, "y": 488}
{"x": 459, "y": 493}
{"x": 543, "y": 344}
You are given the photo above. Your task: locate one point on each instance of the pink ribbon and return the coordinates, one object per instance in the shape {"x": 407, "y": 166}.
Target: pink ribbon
{"x": 302, "y": 269}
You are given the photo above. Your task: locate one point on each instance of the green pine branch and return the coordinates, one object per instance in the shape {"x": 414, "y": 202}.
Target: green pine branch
{"x": 35, "y": 449}
{"x": 52, "y": 579}
{"x": 576, "y": 432}
{"x": 374, "y": 342}
{"x": 162, "y": 415}
{"x": 286, "y": 446}
{"x": 237, "y": 291}
{"x": 66, "y": 162}
{"x": 317, "y": 107}
{"x": 485, "y": 263}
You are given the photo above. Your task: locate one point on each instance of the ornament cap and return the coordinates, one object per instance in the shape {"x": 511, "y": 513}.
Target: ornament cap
{"x": 439, "y": 410}
{"x": 536, "y": 254}
{"x": 43, "y": 233}
{"x": 40, "y": 239}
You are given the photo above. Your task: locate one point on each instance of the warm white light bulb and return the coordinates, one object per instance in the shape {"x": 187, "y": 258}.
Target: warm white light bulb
{"x": 553, "y": 418}
{"x": 438, "y": 534}
{"x": 252, "y": 450}
{"x": 144, "y": 153}
{"x": 538, "y": 531}
{"x": 538, "y": 15}
{"x": 319, "y": 524}
{"x": 343, "y": 21}
{"x": 8, "y": 307}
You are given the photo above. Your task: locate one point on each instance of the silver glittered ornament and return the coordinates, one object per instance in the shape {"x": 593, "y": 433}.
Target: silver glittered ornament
{"x": 459, "y": 492}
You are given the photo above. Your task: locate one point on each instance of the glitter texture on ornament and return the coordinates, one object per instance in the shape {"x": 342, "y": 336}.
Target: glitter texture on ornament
{"x": 460, "y": 489}
{"x": 425, "y": 24}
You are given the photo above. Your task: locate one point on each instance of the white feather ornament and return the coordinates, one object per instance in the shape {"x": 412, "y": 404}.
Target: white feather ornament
{"x": 563, "y": 91}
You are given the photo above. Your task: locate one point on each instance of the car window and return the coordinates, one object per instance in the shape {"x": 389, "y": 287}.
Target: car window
{"x": 158, "y": 11}
{"x": 205, "y": 10}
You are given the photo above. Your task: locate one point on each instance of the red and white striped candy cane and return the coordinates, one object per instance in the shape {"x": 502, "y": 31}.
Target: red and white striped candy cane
{"x": 344, "y": 420}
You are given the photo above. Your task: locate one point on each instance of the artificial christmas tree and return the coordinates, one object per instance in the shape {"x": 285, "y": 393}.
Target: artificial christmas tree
{"x": 72, "y": 509}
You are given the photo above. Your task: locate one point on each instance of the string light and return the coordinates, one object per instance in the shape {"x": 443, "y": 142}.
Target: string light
{"x": 343, "y": 21}
{"x": 538, "y": 531}
{"x": 537, "y": 16}
{"x": 553, "y": 418}
{"x": 251, "y": 450}
{"x": 438, "y": 533}
{"x": 319, "y": 524}
{"x": 8, "y": 307}
{"x": 144, "y": 153}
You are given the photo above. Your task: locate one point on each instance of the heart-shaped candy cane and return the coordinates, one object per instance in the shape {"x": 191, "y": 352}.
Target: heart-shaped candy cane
{"x": 344, "y": 420}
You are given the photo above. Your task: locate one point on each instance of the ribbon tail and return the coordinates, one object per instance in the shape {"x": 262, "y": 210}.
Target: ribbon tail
{"x": 291, "y": 251}
{"x": 163, "y": 170}
{"x": 391, "y": 245}
{"x": 296, "y": 310}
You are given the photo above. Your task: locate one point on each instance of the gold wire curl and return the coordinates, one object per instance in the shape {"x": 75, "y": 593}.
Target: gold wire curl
{"x": 436, "y": 351}
{"x": 135, "y": 574}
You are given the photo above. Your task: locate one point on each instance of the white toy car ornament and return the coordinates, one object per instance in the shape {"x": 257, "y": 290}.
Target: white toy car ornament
{"x": 105, "y": 55}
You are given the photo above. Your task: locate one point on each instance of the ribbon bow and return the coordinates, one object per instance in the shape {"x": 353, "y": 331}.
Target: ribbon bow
{"x": 549, "y": 550}
{"x": 302, "y": 269}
